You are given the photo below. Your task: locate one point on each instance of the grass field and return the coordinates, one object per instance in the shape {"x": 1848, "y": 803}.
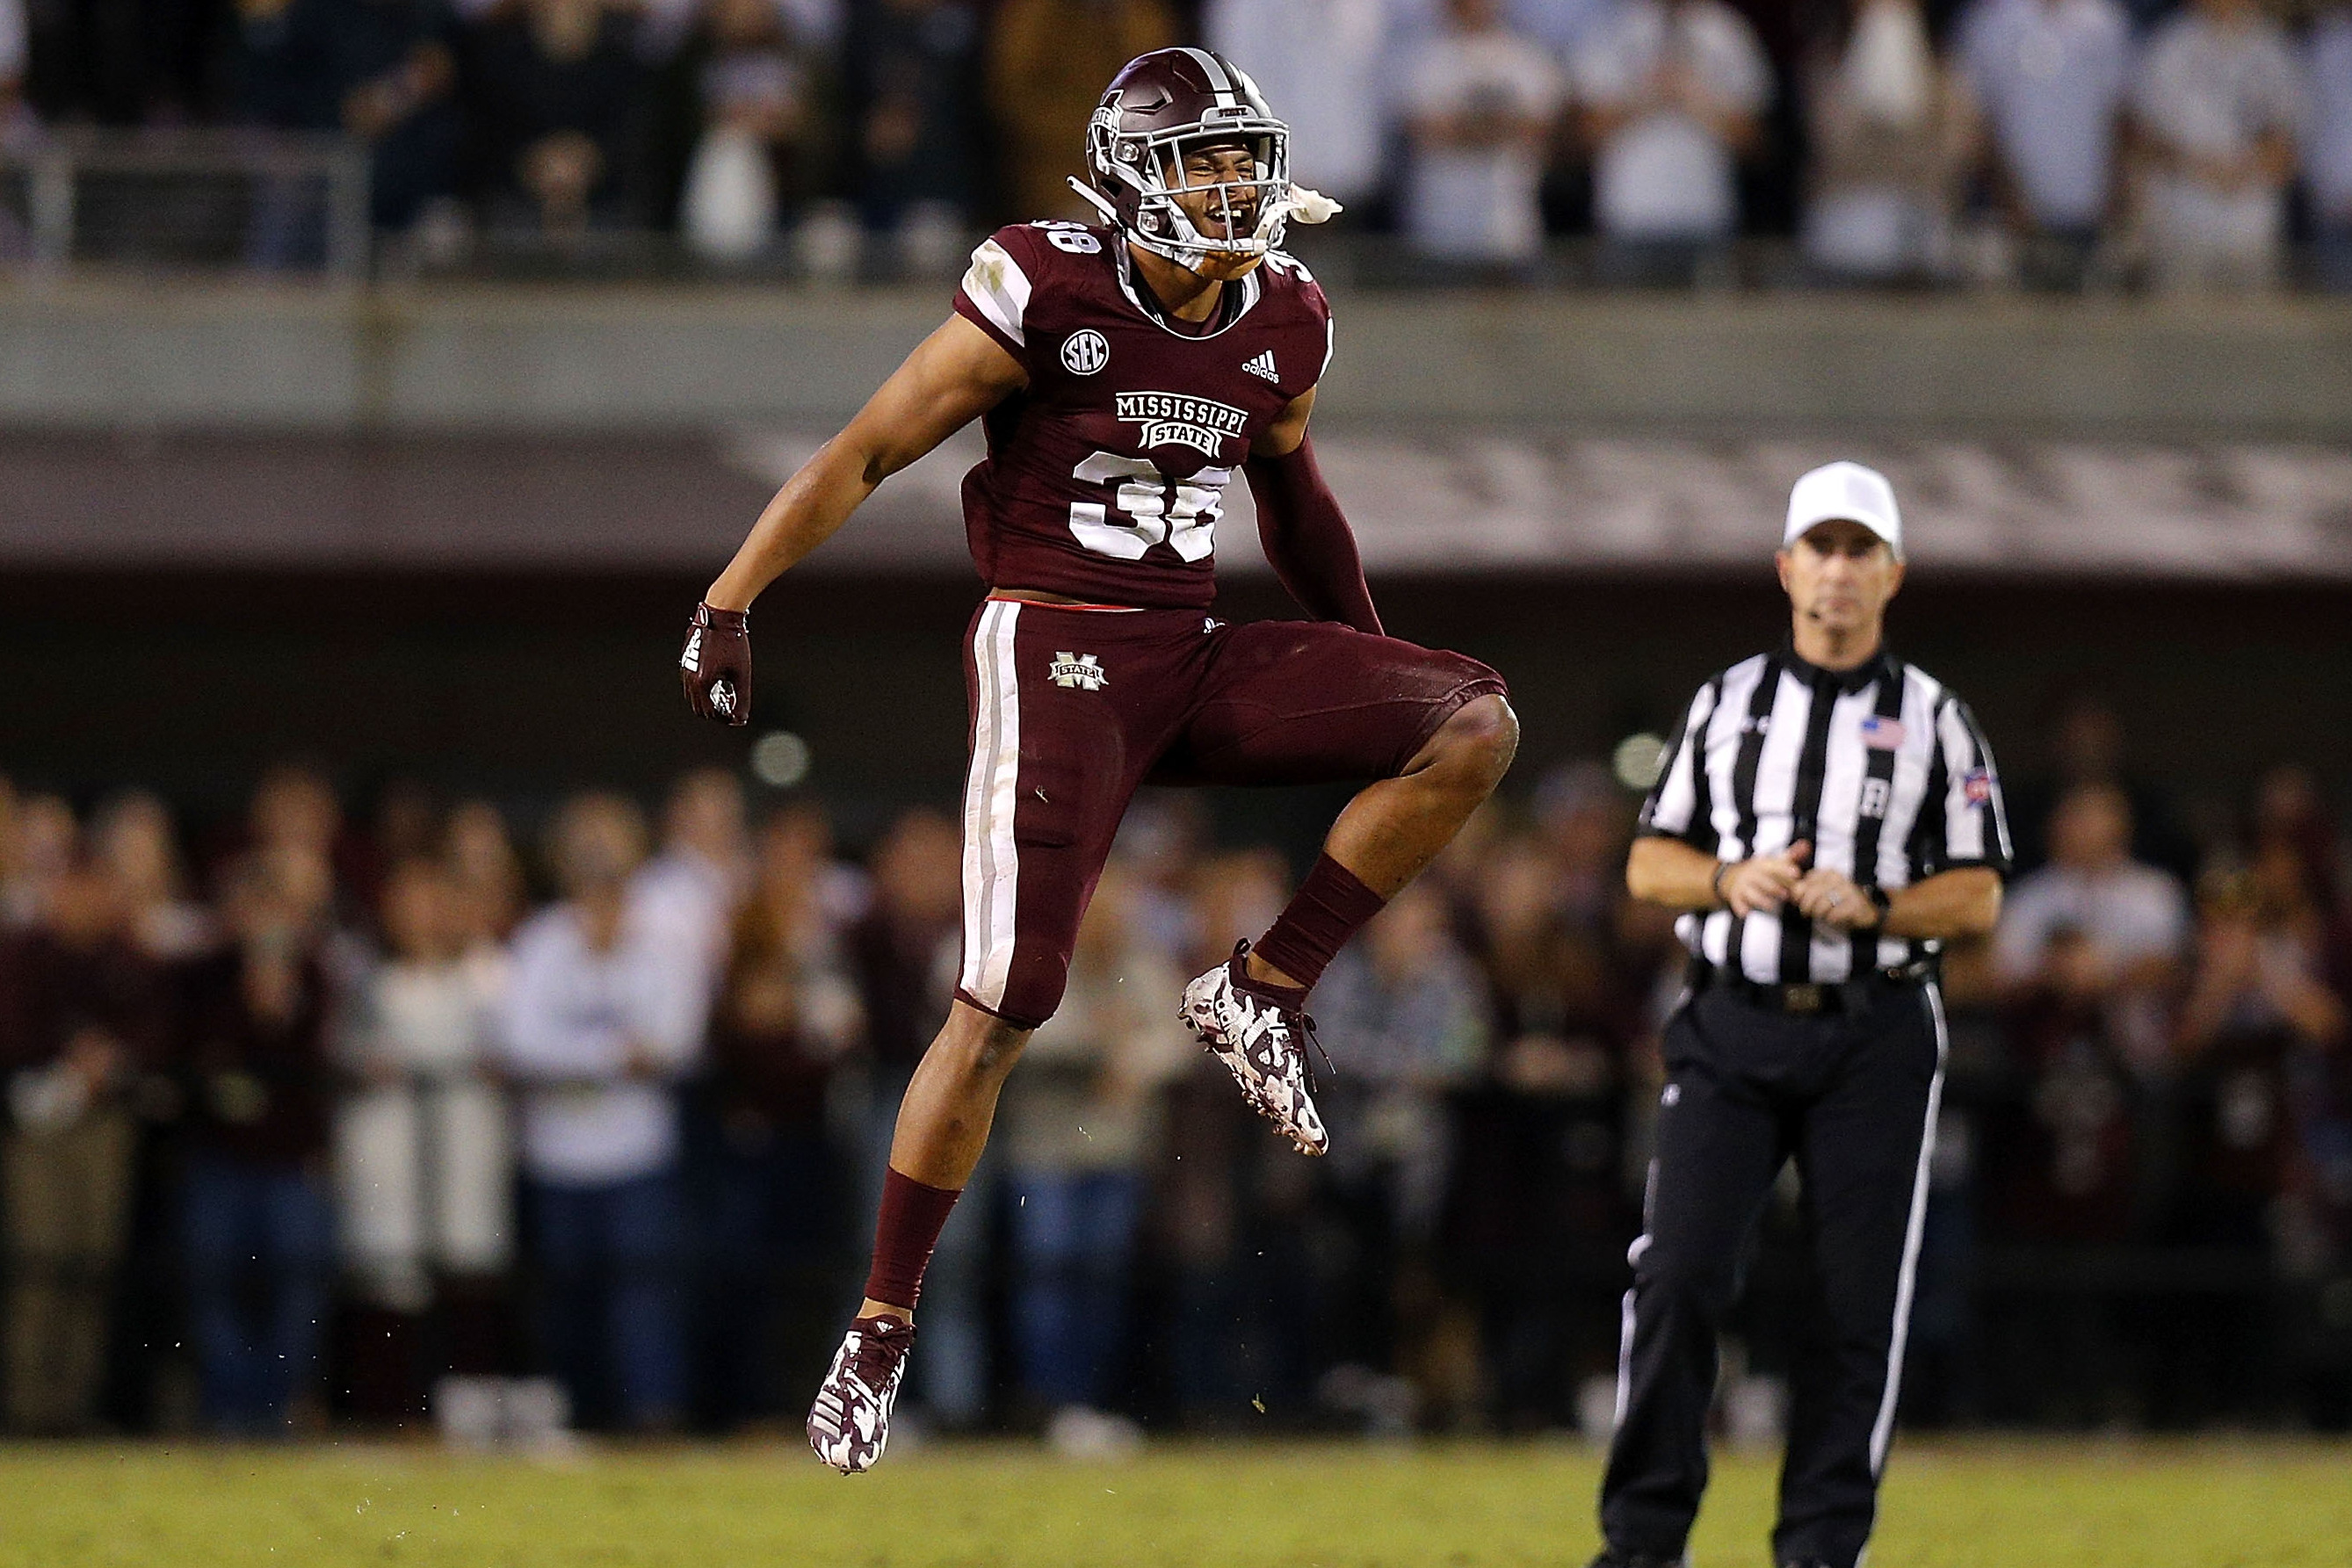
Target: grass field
{"x": 2052, "y": 1504}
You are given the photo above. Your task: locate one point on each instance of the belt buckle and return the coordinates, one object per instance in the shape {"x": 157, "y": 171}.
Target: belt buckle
{"x": 1801, "y": 999}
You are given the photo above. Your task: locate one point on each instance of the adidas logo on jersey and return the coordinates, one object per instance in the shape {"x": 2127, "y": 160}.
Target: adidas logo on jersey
{"x": 1082, "y": 671}
{"x": 1262, "y": 366}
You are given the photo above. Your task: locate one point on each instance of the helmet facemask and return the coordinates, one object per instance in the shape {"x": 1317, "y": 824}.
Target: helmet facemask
{"x": 1141, "y": 183}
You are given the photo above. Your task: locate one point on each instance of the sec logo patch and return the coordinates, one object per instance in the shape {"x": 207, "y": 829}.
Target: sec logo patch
{"x": 1085, "y": 352}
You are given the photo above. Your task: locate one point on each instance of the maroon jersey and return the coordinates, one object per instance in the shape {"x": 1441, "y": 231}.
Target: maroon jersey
{"x": 1106, "y": 475}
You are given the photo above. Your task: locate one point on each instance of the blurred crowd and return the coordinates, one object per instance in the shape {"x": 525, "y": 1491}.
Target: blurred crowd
{"x": 2063, "y": 143}
{"x": 309, "y": 1118}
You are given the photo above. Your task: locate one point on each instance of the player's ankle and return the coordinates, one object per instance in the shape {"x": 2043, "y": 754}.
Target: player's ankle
{"x": 870, "y": 1308}
{"x": 1260, "y": 972}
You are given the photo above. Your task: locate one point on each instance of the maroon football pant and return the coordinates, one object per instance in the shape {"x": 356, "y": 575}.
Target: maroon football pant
{"x": 1074, "y": 709}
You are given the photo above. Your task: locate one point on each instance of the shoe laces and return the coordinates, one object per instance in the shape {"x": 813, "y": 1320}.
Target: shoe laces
{"x": 879, "y": 1352}
{"x": 1305, "y": 1024}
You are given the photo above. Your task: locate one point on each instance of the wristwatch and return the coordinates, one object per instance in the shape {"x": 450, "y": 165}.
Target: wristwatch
{"x": 1880, "y": 902}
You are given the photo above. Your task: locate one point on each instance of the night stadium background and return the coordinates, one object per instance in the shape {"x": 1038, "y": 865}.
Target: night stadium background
{"x": 357, "y": 474}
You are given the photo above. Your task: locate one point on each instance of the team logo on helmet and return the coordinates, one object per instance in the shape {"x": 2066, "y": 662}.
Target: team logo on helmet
{"x": 1085, "y": 352}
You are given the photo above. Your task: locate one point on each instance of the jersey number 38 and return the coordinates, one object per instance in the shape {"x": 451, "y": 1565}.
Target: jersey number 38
{"x": 1147, "y": 507}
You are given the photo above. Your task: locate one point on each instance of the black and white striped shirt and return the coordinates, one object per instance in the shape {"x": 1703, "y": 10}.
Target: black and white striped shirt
{"x": 1880, "y": 767}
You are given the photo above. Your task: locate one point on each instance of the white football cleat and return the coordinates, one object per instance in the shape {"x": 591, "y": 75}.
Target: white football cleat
{"x": 1263, "y": 1045}
{"x": 849, "y": 1425}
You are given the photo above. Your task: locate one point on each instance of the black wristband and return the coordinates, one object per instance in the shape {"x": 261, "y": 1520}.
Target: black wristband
{"x": 1880, "y": 902}
{"x": 1715, "y": 883}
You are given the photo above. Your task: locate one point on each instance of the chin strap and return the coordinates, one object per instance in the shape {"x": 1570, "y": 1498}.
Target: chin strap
{"x": 1101, "y": 204}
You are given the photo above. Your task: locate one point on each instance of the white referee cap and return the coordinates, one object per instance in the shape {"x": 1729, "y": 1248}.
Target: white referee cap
{"x": 1844, "y": 492}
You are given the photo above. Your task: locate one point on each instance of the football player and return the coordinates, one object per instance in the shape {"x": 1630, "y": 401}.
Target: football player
{"x": 1122, "y": 372}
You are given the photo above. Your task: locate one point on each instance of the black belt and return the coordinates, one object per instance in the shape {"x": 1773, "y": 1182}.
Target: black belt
{"x": 1811, "y": 999}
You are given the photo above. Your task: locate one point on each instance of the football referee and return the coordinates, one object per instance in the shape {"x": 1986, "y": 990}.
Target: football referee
{"x": 1828, "y": 819}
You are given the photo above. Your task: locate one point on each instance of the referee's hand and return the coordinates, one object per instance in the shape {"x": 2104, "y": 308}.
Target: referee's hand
{"x": 1833, "y": 899}
{"x": 1763, "y": 884}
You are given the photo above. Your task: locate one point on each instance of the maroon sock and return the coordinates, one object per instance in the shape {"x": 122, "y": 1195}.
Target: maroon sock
{"x": 908, "y": 1229}
{"x": 1329, "y": 907}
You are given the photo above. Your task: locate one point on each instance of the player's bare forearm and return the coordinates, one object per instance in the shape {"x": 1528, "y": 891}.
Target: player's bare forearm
{"x": 954, "y": 376}
{"x": 1963, "y": 902}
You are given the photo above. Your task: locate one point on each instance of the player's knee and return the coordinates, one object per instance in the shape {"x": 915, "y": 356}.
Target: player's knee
{"x": 1475, "y": 747}
{"x": 980, "y": 1045}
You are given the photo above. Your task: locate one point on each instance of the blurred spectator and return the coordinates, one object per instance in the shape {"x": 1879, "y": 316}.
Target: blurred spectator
{"x": 550, "y": 93}
{"x": 487, "y": 872}
{"x": 1319, "y": 63}
{"x": 258, "y": 1221}
{"x": 2260, "y": 992}
{"x": 1231, "y": 1202}
{"x": 2219, "y": 102}
{"x": 2260, "y": 1008}
{"x": 424, "y": 1159}
{"x": 396, "y": 71}
{"x": 2087, "y": 745}
{"x": 2328, "y": 150}
{"x": 1407, "y": 1014}
{"x": 85, "y": 1014}
{"x": 382, "y": 71}
{"x": 913, "y": 124}
{"x": 787, "y": 1015}
{"x": 1480, "y": 103}
{"x": 1540, "y": 1213}
{"x": 904, "y": 947}
{"x": 132, "y": 836}
{"x": 1890, "y": 129}
{"x": 601, "y": 1017}
{"x": 2049, "y": 76}
{"x": 1673, "y": 93}
{"x": 742, "y": 127}
{"x": 2096, "y": 927}
{"x": 1079, "y": 1120}
{"x": 38, "y": 841}
{"x": 689, "y": 892}
{"x": 406, "y": 825}
{"x": 295, "y": 811}
{"x": 1048, "y": 63}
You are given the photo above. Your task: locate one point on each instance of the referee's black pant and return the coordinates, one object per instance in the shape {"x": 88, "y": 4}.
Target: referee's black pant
{"x": 1851, "y": 1094}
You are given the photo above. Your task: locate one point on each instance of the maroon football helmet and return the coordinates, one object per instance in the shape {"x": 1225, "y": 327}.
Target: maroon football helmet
{"x": 1159, "y": 106}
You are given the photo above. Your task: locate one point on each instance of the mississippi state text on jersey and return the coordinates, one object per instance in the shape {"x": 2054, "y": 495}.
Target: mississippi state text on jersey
{"x": 1106, "y": 476}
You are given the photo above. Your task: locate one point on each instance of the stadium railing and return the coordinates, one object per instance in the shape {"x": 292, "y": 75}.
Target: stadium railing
{"x": 187, "y": 199}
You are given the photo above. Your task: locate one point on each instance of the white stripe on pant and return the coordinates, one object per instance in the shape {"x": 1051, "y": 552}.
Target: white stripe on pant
{"x": 992, "y": 866}
{"x": 1882, "y": 1432}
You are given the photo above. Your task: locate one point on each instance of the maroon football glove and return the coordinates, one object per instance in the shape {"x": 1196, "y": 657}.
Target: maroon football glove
{"x": 716, "y": 665}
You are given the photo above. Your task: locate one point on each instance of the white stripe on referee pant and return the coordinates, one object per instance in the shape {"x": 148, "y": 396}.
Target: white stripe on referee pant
{"x": 1882, "y": 1432}
{"x": 1626, "y": 1307}
{"x": 992, "y": 866}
